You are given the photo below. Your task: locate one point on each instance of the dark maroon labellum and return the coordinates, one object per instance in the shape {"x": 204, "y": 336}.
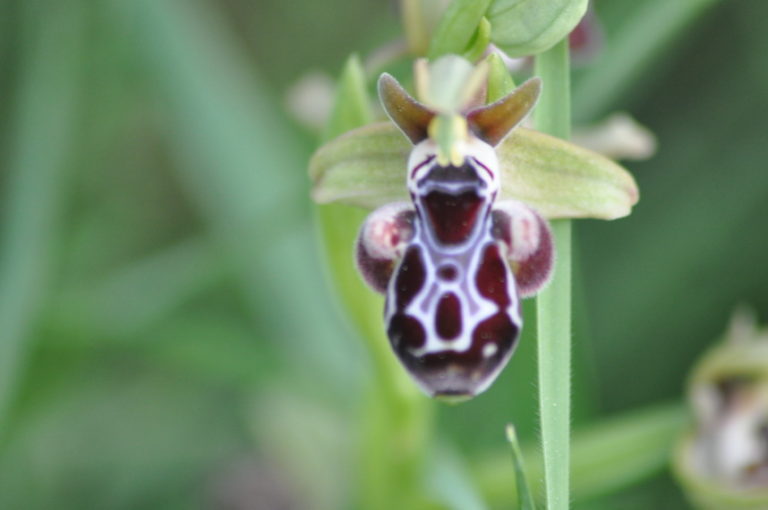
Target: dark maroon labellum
{"x": 454, "y": 263}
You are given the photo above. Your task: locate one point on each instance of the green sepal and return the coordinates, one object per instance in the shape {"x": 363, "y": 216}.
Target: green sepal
{"x": 366, "y": 167}
{"x": 529, "y": 27}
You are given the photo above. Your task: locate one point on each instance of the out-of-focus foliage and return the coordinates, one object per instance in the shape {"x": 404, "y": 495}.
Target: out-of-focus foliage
{"x": 167, "y": 339}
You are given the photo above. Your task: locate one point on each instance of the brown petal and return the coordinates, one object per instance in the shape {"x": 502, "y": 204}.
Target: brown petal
{"x": 492, "y": 123}
{"x": 408, "y": 114}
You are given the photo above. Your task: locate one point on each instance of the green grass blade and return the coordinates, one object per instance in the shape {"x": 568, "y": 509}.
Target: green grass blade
{"x": 524, "y": 497}
{"x": 40, "y": 150}
{"x": 242, "y": 166}
{"x": 630, "y": 53}
{"x": 156, "y": 286}
{"x": 607, "y": 456}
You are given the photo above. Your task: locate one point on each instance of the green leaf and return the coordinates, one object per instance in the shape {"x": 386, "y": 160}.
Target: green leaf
{"x": 457, "y": 27}
{"x": 366, "y": 168}
{"x": 524, "y": 498}
{"x": 528, "y": 27}
{"x": 351, "y": 107}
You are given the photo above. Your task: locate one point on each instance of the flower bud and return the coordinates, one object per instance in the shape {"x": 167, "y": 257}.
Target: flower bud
{"x": 723, "y": 462}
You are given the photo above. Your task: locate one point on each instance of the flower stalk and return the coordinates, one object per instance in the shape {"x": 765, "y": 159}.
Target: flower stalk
{"x": 552, "y": 116}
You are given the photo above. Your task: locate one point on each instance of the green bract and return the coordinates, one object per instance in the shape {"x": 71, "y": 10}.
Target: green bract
{"x": 500, "y": 82}
{"x": 528, "y": 27}
{"x": 460, "y": 22}
{"x": 366, "y": 167}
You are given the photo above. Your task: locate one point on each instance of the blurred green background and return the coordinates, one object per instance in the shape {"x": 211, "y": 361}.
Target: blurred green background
{"x": 167, "y": 335}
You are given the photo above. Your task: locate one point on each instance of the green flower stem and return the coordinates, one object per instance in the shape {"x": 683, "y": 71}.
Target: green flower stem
{"x": 554, "y": 303}
{"x": 396, "y": 416}
{"x": 414, "y": 26}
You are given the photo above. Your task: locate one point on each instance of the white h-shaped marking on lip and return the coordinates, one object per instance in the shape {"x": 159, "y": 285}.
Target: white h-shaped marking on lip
{"x": 478, "y": 154}
{"x": 434, "y": 288}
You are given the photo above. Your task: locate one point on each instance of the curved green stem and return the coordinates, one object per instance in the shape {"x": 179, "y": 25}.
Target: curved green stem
{"x": 396, "y": 416}
{"x": 554, "y": 303}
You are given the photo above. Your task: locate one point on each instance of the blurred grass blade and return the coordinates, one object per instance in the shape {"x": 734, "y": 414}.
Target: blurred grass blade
{"x": 528, "y": 27}
{"x": 457, "y": 27}
{"x": 624, "y": 450}
{"x": 644, "y": 34}
{"x": 40, "y": 151}
{"x": 155, "y": 286}
{"x": 524, "y": 498}
{"x": 561, "y": 180}
{"x": 605, "y": 457}
{"x": 448, "y": 484}
{"x": 241, "y": 165}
